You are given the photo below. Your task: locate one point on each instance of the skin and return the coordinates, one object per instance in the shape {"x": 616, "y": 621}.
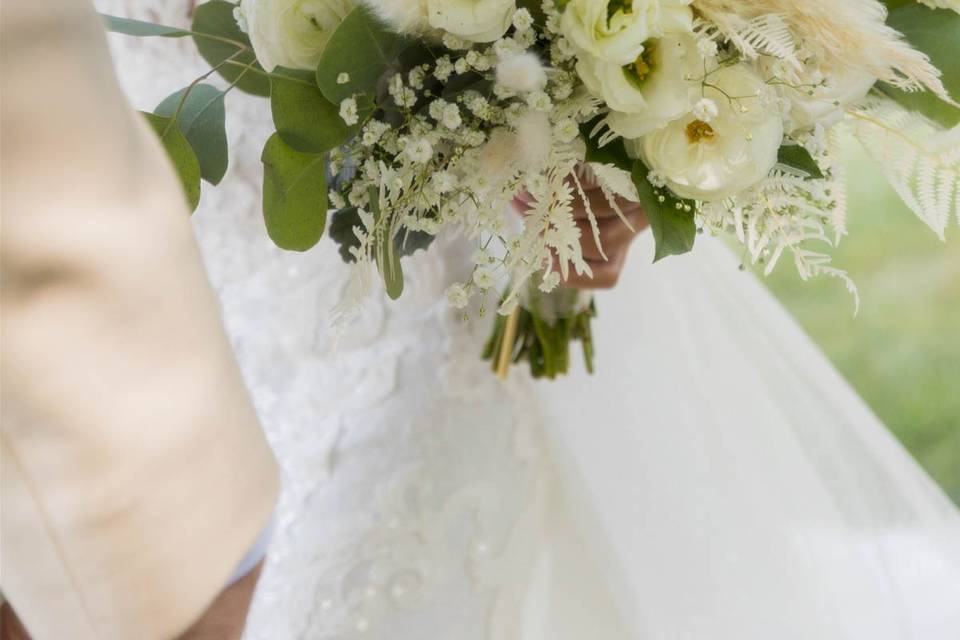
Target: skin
{"x": 615, "y": 237}
{"x": 223, "y": 620}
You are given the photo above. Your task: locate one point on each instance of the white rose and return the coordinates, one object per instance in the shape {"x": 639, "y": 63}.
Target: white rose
{"x": 472, "y": 20}
{"x": 828, "y": 100}
{"x": 649, "y": 92}
{"x": 292, "y": 33}
{"x": 715, "y": 160}
{"x": 615, "y": 30}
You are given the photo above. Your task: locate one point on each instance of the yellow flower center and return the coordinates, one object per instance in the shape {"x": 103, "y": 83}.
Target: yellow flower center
{"x": 638, "y": 71}
{"x": 699, "y": 130}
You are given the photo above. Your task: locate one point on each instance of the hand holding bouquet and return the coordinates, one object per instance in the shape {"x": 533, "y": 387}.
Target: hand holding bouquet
{"x": 411, "y": 118}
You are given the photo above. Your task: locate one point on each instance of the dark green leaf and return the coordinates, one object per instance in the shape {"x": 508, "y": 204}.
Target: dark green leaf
{"x": 614, "y": 152}
{"x": 673, "y": 228}
{"x": 799, "y": 158}
{"x": 216, "y": 18}
{"x": 361, "y": 47}
{"x": 344, "y": 220}
{"x": 181, "y": 155}
{"x": 305, "y": 120}
{"x": 936, "y": 32}
{"x": 388, "y": 258}
{"x": 203, "y": 122}
{"x": 409, "y": 242}
{"x": 342, "y": 223}
{"x": 294, "y": 195}
{"x": 140, "y": 28}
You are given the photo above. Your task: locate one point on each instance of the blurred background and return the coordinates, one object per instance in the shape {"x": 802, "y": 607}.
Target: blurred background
{"x": 902, "y": 352}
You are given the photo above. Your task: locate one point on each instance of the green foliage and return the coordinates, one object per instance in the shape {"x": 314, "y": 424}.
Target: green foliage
{"x": 545, "y": 344}
{"x": 935, "y": 32}
{"x": 364, "y": 64}
{"x": 181, "y": 155}
{"x": 294, "y": 195}
{"x": 202, "y": 120}
{"x": 305, "y": 120}
{"x": 671, "y": 220}
{"x": 342, "y": 223}
{"x": 409, "y": 242}
{"x": 799, "y": 158}
{"x": 344, "y": 220}
{"x": 387, "y": 255}
{"x": 228, "y": 47}
{"x": 141, "y": 29}
{"x": 613, "y": 152}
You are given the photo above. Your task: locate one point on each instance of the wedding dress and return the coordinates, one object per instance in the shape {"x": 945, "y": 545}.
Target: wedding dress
{"x": 715, "y": 479}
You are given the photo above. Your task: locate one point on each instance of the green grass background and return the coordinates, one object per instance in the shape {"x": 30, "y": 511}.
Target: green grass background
{"x": 902, "y": 352}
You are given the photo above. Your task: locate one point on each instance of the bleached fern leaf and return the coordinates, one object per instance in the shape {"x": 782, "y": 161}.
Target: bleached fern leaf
{"x": 767, "y": 34}
{"x": 919, "y": 160}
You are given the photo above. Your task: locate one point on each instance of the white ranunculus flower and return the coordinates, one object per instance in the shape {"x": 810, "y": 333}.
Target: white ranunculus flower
{"x": 615, "y": 30}
{"x": 649, "y": 92}
{"x": 715, "y": 160}
{"x": 292, "y": 33}
{"x": 826, "y": 104}
{"x": 472, "y": 20}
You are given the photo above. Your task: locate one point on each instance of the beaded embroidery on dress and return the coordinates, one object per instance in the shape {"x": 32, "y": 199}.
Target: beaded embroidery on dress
{"x": 404, "y": 502}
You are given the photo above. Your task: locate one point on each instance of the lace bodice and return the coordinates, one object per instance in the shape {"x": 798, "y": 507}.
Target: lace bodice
{"x": 412, "y": 477}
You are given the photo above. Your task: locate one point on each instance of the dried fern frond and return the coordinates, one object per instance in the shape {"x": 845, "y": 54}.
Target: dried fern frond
{"x": 765, "y": 34}
{"x": 920, "y": 161}
{"x": 842, "y": 33}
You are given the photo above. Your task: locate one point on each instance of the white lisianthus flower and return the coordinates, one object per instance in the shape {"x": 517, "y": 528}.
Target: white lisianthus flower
{"x": 472, "y": 20}
{"x": 715, "y": 160}
{"x": 820, "y": 97}
{"x": 650, "y": 91}
{"x": 292, "y": 33}
{"x": 463, "y": 21}
{"x": 615, "y": 30}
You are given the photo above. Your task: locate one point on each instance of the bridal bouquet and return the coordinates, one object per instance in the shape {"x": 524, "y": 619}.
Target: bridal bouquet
{"x": 402, "y": 119}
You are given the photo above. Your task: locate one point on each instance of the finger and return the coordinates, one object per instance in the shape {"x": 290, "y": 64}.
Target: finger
{"x": 600, "y": 205}
{"x": 605, "y": 274}
{"x": 615, "y": 237}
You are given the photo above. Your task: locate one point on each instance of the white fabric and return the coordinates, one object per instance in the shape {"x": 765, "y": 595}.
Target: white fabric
{"x": 716, "y": 479}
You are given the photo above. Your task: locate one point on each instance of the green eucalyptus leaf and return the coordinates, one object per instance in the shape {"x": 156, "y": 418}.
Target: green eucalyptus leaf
{"x": 141, "y": 29}
{"x": 305, "y": 120}
{"x": 935, "y": 32}
{"x": 294, "y": 195}
{"x": 342, "y": 223}
{"x": 673, "y": 228}
{"x": 363, "y": 48}
{"x": 181, "y": 155}
{"x": 799, "y": 158}
{"x": 215, "y": 18}
{"x": 203, "y": 122}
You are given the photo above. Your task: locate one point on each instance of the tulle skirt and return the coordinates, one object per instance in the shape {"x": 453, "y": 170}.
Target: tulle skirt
{"x": 719, "y": 480}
